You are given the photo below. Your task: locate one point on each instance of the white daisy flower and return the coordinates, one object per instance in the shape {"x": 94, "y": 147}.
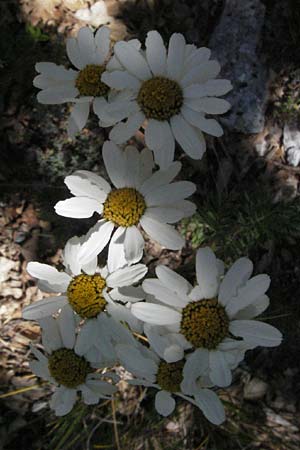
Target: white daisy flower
{"x": 66, "y": 366}
{"x": 172, "y": 90}
{"x": 215, "y": 316}
{"x": 169, "y": 379}
{"x": 89, "y": 290}
{"x": 99, "y": 337}
{"x": 167, "y": 343}
{"x": 83, "y": 86}
{"x": 139, "y": 197}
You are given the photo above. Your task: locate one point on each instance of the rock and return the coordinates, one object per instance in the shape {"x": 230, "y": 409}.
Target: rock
{"x": 6, "y": 265}
{"x": 234, "y": 44}
{"x": 255, "y": 389}
{"x": 291, "y": 142}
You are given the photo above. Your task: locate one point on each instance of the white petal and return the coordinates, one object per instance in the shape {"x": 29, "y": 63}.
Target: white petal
{"x": 173, "y": 280}
{"x": 133, "y": 245}
{"x": 164, "y": 234}
{"x": 196, "y": 293}
{"x": 159, "y": 138}
{"x": 86, "y": 45}
{"x": 236, "y": 277}
{"x": 175, "y": 60}
{"x": 255, "y": 309}
{"x": 256, "y": 333}
{"x": 89, "y": 396}
{"x": 170, "y": 193}
{"x": 209, "y": 105}
{"x": 187, "y": 207}
{"x": 155, "y": 314}
{"x": 126, "y": 276}
{"x": 97, "y": 238}
{"x": 54, "y": 72}
{"x": 220, "y": 373}
{"x": 58, "y": 281}
{"x": 70, "y": 256}
{"x": 133, "y": 360}
{"x": 116, "y": 255}
{"x": 128, "y": 294}
{"x": 164, "y": 214}
{"x": 87, "y": 336}
{"x": 207, "y": 272}
{"x": 101, "y": 387}
{"x": 211, "y": 406}
{"x": 173, "y": 353}
{"x": 118, "y": 79}
{"x": 124, "y": 131}
{"x": 164, "y": 294}
{"x": 121, "y": 313}
{"x": 201, "y": 73}
{"x": 197, "y": 119}
{"x": 195, "y": 367}
{"x": 56, "y": 95}
{"x": 102, "y": 184}
{"x": 156, "y": 53}
{"x": 210, "y": 88}
{"x": 191, "y": 142}
{"x": 114, "y": 161}
{"x": 116, "y": 110}
{"x": 102, "y": 41}
{"x": 40, "y": 369}
{"x": 132, "y": 60}
{"x": 74, "y": 54}
{"x": 44, "y": 308}
{"x": 84, "y": 187}
{"x": 51, "y": 338}
{"x": 246, "y": 295}
{"x": 146, "y": 166}
{"x": 66, "y": 323}
{"x": 132, "y": 165}
{"x": 78, "y": 207}
{"x": 160, "y": 178}
{"x": 163, "y": 344}
{"x": 78, "y": 118}
{"x": 196, "y": 57}
{"x": 164, "y": 403}
{"x": 63, "y": 400}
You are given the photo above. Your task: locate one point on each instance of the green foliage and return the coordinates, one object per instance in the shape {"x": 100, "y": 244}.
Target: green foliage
{"x": 67, "y": 431}
{"x": 288, "y": 106}
{"x": 36, "y": 34}
{"x": 243, "y": 222}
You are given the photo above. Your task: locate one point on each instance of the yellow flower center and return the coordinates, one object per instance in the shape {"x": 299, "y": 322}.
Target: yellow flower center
{"x": 124, "y": 207}
{"x": 204, "y": 323}
{"x": 169, "y": 376}
{"x": 85, "y": 295}
{"x": 160, "y": 98}
{"x": 67, "y": 368}
{"x": 89, "y": 83}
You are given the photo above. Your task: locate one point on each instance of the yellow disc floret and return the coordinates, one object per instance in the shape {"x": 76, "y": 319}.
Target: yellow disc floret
{"x": 85, "y": 295}
{"x": 204, "y": 323}
{"x": 124, "y": 207}
{"x": 169, "y": 376}
{"x": 89, "y": 83}
{"x": 160, "y": 98}
{"x": 67, "y": 368}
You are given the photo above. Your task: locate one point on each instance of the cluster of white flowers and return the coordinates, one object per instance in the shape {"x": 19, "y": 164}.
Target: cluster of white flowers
{"x": 194, "y": 335}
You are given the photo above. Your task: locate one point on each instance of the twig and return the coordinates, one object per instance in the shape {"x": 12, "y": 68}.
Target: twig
{"x": 20, "y": 391}
{"x": 113, "y": 407}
